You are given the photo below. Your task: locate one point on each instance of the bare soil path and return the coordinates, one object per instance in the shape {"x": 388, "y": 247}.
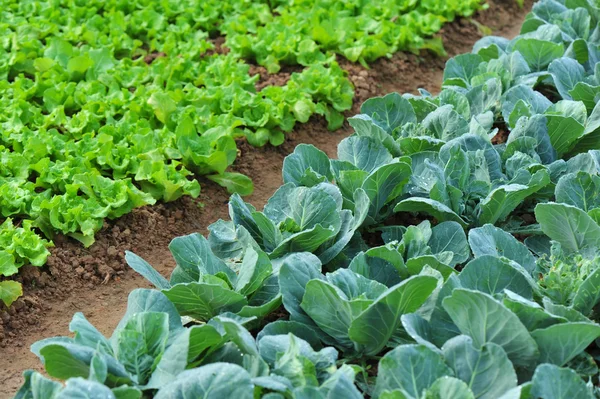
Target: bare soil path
{"x": 96, "y": 281}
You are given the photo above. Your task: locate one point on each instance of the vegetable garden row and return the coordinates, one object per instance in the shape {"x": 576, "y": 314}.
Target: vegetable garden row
{"x": 491, "y": 294}
{"x": 111, "y": 105}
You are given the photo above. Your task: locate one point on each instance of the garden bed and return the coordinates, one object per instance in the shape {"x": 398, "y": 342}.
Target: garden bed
{"x": 96, "y": 281}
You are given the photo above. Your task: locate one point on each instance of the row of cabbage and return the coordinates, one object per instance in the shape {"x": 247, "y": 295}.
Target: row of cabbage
{"x": 111, "y": 105}
{"x": 423, "y": 262}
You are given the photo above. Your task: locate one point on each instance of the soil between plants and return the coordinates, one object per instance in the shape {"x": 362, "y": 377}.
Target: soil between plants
{"x": 96, "y": 280}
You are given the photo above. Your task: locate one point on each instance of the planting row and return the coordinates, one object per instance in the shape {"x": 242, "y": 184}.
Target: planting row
{"x": 111, "y": 105}
{"x": 450, "y": 251}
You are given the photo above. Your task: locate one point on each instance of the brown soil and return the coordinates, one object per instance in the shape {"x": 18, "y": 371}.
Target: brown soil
{"x": 502, "y": 136}
{"x": 96, "y": 281}
{"x": 148, "y": 59}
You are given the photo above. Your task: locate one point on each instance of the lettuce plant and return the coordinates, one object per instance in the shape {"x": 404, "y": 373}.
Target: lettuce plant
{"x": 19, "y": 245}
